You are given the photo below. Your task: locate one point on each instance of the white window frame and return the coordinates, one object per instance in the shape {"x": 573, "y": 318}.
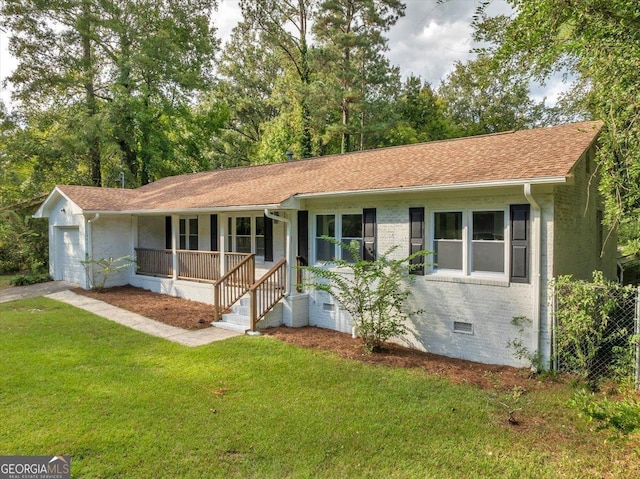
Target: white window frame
{"x": 188, "y": 233}
{"x": 467, "y": 243}
{"x": 231, "y": 235}
{"x": 337, "y": 250}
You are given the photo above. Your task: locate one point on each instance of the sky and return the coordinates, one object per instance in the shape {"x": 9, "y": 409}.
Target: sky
{"x": 427, "y": 41}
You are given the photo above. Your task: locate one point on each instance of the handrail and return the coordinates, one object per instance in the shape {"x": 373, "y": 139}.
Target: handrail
{"x": 233, "y": 285}
{"x": 267, "y": 291}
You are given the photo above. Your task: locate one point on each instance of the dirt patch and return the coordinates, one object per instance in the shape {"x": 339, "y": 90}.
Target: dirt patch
{"x": 193, "y": 315}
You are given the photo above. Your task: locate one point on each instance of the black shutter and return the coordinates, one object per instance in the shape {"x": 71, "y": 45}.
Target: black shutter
{"x": 303, "y": 236}
{"x": 369, "y": 234}
{"x": 213, "y": 232}
{"x": 416, "y": 239}
{"x": 167, "y": 232}
{"x": 520, "y": 233}
{"x": 268, "y": 239}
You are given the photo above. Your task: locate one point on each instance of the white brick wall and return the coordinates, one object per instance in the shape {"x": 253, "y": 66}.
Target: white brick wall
{"x": 112, "y": 238}
{"x": 151, "y": 231}
{"x": 577, "y": 229}
{"x": 489, "y": 304}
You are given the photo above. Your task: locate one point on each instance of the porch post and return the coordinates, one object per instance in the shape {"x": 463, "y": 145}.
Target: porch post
{"x": 222, "y": 242}
{"x": 134, "y": 244}
{"x": 290, "y": 251}
{"x": 175, "y": 229}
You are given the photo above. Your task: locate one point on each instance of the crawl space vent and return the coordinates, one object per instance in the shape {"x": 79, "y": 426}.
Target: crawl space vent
{"x": 461, "y": 327}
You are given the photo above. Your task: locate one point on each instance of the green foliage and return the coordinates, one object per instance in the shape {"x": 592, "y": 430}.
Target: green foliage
{"x": 26, "y": 280}
{"x": 133, "y": 405}
{"x": 623, "y": 416}
{"x": 589, "y": 342}
{"x": 598, "y": 43}
{"x": 23, "y": 242}
{"x": 103, "y": 269}
{"x": 482, "y": 97}
{"x": 374, "y": 293}
{"x": 107, "y": 86}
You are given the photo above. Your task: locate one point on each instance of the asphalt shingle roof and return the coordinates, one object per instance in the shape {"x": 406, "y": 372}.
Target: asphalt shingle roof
{"x": 504, "y": 157}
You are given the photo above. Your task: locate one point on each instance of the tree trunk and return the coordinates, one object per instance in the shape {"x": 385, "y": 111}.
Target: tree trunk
{"x": 84, "y": 26}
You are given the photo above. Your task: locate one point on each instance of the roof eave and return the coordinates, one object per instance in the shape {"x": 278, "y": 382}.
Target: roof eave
{"x": 546, "y": 180}
{"x": 185, "y": 211}
{"x": 47, "y": 205}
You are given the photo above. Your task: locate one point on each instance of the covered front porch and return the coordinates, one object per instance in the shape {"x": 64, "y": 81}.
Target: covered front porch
{"x": 247, "y": 271}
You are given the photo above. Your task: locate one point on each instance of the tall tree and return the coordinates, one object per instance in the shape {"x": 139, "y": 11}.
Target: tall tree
{"x": 351, "y": 36}
{"x": 480, "y": 97}
{"x": 125, "y": 71}
{"x": 420, "y": 115}
{"x": 249, "y": 70}
{"x": 598, "y": 41}
{"x": 284, "y": 25}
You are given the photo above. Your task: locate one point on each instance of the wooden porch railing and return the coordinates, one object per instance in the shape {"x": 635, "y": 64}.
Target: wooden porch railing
{"x": 231, "y": 260}
{"x": 155, "y": 262}
{"x": 198, "y": 265}
{"x": 267, "y": 291}
{"x": 233, "y": 285}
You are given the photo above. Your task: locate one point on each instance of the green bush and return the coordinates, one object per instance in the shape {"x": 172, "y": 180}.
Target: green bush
{"x": 622, "y": 416}
{"x": 23, "y": 242}
{"x": 594, "y": 335}
{"x": 374, "y": 293}
{"x": 26, "y": 280}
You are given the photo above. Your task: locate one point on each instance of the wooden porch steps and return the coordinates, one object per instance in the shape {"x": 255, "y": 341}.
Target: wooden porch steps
{"x": 239, "y": 320}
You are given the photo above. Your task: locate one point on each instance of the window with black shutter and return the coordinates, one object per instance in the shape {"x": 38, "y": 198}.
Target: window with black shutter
{"x": 520, "y": 233}
{"x": 416, "y": 239}
{"x": 369, "y": 234}
{"x": 167, "y": 232}
{"x": 303, "y": 236}
{"x": 213, "y": 232}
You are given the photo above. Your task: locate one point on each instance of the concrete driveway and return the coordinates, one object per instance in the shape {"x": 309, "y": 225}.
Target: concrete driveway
{"x": 34, "y": 290}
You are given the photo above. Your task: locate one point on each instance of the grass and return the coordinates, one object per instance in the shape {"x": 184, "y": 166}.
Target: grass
{"x": 124, "y": 404}
{"x": 5, "y": 280}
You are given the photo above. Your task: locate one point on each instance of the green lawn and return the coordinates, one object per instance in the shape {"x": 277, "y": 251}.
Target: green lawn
{"x": 124, "y": 404}
{"x": 5, "y": 280}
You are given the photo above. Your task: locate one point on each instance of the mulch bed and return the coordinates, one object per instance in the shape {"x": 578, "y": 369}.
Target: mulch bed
{"x": 194, "y": 315}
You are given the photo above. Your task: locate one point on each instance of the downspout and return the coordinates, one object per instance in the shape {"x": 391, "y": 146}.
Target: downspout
{"x": 287, "y": 248}
{"x": 536, "y": 266}
{"x": 90, "y": 247}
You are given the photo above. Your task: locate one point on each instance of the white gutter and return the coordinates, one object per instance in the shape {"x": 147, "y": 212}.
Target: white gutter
{"x": 287, "y": 249}
{"x": 536, "y": 266}
{"x": 546, "y": 180}
{"x": 89, "y": 248}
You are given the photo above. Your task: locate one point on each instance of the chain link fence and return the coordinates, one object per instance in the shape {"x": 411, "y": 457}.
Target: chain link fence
{"x": 596, "y": 331}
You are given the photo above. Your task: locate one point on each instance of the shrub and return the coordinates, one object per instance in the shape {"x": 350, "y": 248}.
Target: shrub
{"x": 374, "y": 293}
{"x": 23, "y": 243}
{"x": 26, "y": 280}
{"x": 622, "y": 416}
{"x": 101, "y": 270}
{"x": 594, "y": 328}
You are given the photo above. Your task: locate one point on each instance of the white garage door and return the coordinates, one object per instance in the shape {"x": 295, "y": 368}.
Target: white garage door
{"x": 69, "y": 255}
